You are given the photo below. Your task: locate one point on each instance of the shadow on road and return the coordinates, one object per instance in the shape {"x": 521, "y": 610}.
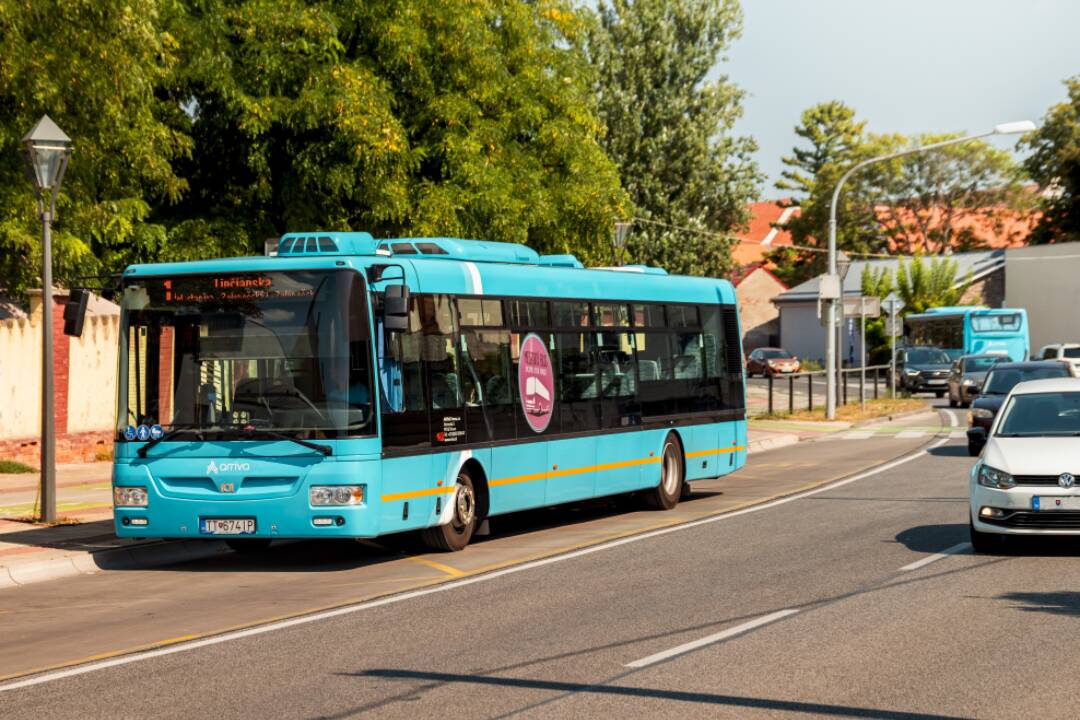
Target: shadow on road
{"x": 933, "y": 538}
{"x": 1055, "y": 603}
{"x": 950, "y": 451}
{"x": 737, "y": 701}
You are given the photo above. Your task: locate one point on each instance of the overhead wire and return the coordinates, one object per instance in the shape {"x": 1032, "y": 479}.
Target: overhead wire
{"x": 708, "y": 233}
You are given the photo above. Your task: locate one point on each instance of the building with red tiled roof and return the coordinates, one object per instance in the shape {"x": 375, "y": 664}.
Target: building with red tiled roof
{"x": 765, "y": 232}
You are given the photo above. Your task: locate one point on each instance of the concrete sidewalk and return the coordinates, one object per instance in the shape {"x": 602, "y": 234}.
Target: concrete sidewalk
{"x": 85, "y": 543}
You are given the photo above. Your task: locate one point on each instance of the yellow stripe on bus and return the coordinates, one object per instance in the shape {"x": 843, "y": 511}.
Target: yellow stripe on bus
{"x": 717, "y": 451}
{"x": 557, "y": 473}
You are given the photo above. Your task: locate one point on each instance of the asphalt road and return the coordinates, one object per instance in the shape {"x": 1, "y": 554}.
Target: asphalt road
{"x": 859, "y": 599}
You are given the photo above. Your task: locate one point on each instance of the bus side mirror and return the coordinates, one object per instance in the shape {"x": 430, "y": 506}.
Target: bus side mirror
{"x": 396, "y": 308}
{"x": 75, "y": 312}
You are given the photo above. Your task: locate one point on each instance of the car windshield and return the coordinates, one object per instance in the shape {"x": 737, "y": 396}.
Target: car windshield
{"x": 979, "y": 364}
{"x": 927, "y": 356}
{"x": 223, "y": 356}
{"x": 1042, "y": 414}
{"x": 775, "y": 354}
{"x": 1072, "y": 352}
{"x": 1001, "y": 380}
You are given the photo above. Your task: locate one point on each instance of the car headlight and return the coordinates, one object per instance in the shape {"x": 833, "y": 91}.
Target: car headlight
{"x": 336, "y": 494}
{"x": 968, "y": 381}
{"x": 981, "y": 413}
{"x": 992, "y": 477}
{"x": 131, "y": 496}
{"x": 911, "y": 373}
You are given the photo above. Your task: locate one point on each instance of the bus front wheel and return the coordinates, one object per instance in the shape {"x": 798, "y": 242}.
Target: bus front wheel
{"x": 666, "y": 495}
{"x": 455, "y": 535}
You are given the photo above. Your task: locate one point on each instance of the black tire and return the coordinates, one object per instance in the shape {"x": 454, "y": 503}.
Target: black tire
{"x": 667, "y": 492}
{"x": 952, "y": 403}
{"x": 985, "y": 543}
{"x": 974, "y": 449}
{"x": 249, "y": 546}
{"x": 456, "y": 534}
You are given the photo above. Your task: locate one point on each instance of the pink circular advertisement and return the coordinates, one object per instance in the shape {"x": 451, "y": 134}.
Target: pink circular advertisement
{"x": 536, "y": 383}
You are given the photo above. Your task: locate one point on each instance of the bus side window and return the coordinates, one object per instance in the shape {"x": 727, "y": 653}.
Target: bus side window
{"x": 401, "y": 382}
{"x": 578, "y": 381}
{"x": 654, "y": 373}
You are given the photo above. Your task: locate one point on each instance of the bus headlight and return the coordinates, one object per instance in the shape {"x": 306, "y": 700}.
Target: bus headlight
{"x": 336, "y": 494}
{"x": 992, "y": 477}
{"x": 130, "y": 496}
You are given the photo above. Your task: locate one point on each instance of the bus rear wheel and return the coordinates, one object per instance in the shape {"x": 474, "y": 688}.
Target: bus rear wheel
{"x": 666, "y": 495}
{"x": 457, "y": 533}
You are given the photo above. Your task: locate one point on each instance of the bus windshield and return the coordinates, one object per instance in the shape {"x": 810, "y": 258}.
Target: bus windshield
{"x": 226, "y": 356}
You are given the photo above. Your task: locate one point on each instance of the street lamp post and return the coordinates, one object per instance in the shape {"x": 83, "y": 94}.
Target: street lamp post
{"x": 1011, "y": 128}
{"x": 46, "y": 150}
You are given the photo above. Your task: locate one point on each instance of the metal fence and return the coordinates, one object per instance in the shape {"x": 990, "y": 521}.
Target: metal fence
{"x": 806, "y": 391}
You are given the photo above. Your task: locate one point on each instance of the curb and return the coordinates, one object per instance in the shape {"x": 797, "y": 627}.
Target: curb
{"x": 771, "y": 443}
{"x": 135, "y": 557}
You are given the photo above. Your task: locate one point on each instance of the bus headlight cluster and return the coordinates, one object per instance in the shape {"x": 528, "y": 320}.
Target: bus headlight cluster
{"x": 992, "y": 477}
{"x": 336, "y": 494}
{"x": 130, "y": 496}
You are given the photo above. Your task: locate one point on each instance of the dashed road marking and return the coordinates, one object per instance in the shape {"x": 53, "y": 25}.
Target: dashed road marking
{"x": 954, "y": 550}
{"x": 859, "y": 435}
{"x": 711, "y": 639}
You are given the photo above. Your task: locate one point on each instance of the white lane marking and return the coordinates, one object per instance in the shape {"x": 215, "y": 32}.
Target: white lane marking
{"x": 859, "y": 435}
{"x": 954, "y": 550}
{"x": 910, "y": 434}
{"x": 477, "y": 283}
{"x": 452, "y": 585}
{"x": 714, "y": 638}
{"x": 951, "y": 414}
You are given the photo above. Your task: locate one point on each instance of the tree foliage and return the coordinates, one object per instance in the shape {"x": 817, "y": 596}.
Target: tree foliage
{"x": 924, "y": 285}
{"x": 1054, "y": 163}
{"x": 953, "y": 198}
{"x": 669, "y": 127}
{"x": 203, "y": 127}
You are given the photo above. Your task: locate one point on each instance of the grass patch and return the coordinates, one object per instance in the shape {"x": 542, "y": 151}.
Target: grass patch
{"x": 882, "y": 407}
{"x": 103, "y": 455}
{"x": 13, "y": 467}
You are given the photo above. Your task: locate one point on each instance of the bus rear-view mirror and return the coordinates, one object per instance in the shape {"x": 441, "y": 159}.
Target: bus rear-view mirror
{"x": 75, "y": 311}
{"x": 396, "y": 308}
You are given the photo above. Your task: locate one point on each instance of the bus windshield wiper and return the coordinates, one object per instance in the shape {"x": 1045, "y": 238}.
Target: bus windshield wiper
{"x": 177, "y": 430}
{"x": 324, "y": 449}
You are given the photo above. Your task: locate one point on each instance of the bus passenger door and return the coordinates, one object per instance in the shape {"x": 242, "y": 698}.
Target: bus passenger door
{"x": 571, "y": 460}
{"x": 620, "y": 442}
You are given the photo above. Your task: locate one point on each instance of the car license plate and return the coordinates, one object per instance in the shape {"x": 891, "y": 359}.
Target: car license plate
{"x": 227, "y": 526}
{"x": 1053, "y": 503}
{"x": 935, "y": 382}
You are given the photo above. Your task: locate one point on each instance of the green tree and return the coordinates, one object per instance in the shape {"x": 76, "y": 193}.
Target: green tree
{"x": 877, "y": 283}
{"x": 924, "y": 285}
{"x": 669, "y": 127}
{"x": 400, "y": 117}
{"x": 1054, "y": 163}
{"x": 96, "y": 67}
{"x": 832, "y": 133}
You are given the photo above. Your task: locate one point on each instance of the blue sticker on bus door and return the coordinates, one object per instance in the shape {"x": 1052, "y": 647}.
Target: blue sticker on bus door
{"x": 142, "y": 432}
{"x": 129, "y": 432}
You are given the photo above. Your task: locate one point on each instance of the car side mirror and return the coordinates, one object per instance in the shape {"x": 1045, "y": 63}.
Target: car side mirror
{"x": 396, "y": 308}
{"x": 977, "y": 433}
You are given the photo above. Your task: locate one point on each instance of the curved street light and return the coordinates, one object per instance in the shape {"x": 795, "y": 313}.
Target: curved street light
{"x": 831, "y": 386}
{"x": 46, "y": 151}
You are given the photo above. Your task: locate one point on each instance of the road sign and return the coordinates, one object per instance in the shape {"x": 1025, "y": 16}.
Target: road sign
{"x": 892, "y": 304}
{"x": 862, "y": 306}
{"x": 894, "y": 325}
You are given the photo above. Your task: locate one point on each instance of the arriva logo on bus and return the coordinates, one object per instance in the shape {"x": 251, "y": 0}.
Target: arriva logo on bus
{"x": 214, "y": 468}
{"x": 536, "y": 383}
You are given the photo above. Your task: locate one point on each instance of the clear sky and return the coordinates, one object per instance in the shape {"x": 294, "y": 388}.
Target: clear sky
{"x": 906, "y": 66}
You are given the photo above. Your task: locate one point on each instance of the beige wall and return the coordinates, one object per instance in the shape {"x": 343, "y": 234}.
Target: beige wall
{"x": 20, "y": 378}
{"x": 1043, "y": 279}
{"x": 756, "y": 310}
{"x": 92, "y": 373}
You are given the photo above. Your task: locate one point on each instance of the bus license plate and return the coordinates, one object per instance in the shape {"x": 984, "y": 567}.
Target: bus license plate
{"x": 227, "y": 526}
{"x": 1051, "y": 503}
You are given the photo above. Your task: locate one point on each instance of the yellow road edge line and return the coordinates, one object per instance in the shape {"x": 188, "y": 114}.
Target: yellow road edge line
{"x": 437, "y": 566}
{"x": 440, "y": 581}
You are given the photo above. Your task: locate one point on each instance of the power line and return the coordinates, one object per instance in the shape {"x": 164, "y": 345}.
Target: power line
{"x": 807, "y": 248}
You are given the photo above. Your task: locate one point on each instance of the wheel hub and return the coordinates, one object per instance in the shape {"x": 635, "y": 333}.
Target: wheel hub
{"x": 464, "y": 505}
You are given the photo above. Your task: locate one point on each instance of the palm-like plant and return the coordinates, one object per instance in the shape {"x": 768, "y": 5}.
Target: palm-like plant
{"x": 922, "y": 286}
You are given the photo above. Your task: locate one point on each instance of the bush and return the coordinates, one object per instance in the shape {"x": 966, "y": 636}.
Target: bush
{"x": 11, "y": 466}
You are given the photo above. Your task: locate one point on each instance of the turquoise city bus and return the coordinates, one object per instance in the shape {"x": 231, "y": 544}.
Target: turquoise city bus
{"x": 350, "y": 387}
{"x": 971, "y": 330}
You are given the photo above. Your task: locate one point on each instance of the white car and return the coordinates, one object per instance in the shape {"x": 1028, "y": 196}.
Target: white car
{"x": 1067, "y": 352}
{"x": 1024, "y": 483}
